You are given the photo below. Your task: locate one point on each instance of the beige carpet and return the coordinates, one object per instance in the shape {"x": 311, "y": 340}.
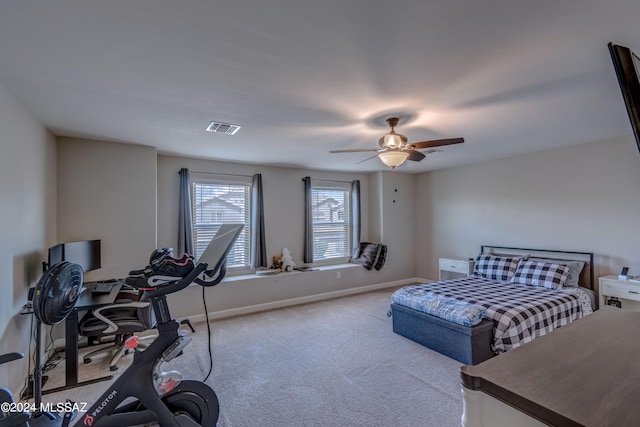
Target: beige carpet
{"x": 330, "y": 363}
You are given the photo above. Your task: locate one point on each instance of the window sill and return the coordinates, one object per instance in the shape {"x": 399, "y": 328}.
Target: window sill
{"x": 287, "y": 273}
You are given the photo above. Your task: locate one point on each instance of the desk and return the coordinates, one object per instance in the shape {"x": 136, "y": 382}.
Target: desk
{"x": 86, "y": 301}
{"x": 584, "y": 374}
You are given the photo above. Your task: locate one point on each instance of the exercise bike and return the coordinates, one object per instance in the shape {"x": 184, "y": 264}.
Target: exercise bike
{"x": 161, "y": 397}
{"x": 143, "y": 395}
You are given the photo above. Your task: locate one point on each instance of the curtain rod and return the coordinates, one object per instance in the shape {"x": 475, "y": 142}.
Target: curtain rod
{"x": 222, "y": 174}
{"x": 332, "y": 180}
{"x": 251, "y": 176}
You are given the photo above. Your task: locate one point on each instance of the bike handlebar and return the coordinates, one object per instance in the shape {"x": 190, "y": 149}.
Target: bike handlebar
{"x": 193, "y": 277}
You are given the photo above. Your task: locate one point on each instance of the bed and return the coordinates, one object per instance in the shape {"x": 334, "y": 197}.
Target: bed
{"x": 514, "y": 296}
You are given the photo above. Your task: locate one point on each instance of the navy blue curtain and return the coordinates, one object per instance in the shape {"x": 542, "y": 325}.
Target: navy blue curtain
{"x": 185, "y": 221}
{"x": 308, "y": 222}
{"x": 258, "y": 244}
{"x": 355, "y": 219}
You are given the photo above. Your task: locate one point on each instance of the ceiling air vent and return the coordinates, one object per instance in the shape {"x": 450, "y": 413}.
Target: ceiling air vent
{"x": 226, "y": 128}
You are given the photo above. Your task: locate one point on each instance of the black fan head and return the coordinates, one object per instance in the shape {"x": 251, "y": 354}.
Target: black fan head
{"x": 57, "y": 292}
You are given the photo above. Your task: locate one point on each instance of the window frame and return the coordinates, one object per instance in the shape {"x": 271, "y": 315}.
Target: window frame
{"x": 221, "y": 179}
{"x": 318, "y": 184}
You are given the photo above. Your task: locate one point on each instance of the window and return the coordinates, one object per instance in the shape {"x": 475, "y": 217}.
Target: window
{"x": 330, "y": 210}
{"x": 217, "y": 201}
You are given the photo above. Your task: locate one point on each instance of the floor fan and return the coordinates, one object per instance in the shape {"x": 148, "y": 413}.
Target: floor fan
{"x": 55, "y": 296}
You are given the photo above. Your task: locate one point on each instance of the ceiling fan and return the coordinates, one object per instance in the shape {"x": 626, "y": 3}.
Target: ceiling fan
{"x": 394, "y": 148}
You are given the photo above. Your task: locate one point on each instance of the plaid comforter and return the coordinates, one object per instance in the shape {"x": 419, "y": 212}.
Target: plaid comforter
{"x": 520, "y": 313}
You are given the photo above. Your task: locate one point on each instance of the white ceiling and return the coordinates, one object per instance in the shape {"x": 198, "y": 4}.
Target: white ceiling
{"x": 304, "y": 77}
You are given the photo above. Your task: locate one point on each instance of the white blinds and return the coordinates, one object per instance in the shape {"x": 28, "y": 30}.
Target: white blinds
{"x": 217, "y": 203}
{"x": 331, "y": 228}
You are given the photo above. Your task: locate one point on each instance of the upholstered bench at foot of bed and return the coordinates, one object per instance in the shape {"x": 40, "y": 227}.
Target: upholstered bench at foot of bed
{"x": 469, "y": 345}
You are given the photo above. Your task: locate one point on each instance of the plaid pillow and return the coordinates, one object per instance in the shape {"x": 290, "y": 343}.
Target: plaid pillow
{"x": 575, "y": 268}
{"x": 382, "y": 257}
{"x": 495, "y": 267}
{"x": 544, "y": 274}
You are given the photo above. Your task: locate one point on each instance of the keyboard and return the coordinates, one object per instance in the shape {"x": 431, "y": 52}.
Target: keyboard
{"x": 101, "y": 288}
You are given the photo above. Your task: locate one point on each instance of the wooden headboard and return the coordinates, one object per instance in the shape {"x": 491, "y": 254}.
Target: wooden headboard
{"x": 587, "y": 279}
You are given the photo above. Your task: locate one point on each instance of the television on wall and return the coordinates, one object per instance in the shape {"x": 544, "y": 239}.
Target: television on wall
{"x": 627, "y": 66}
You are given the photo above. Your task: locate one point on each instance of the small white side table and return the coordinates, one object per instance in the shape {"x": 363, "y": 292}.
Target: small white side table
{"x": 624, "y": 290}
{"x": 451, "y": 268}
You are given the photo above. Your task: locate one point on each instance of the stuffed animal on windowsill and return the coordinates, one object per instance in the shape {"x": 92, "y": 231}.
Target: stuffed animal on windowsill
{"x": 277, "y": 262}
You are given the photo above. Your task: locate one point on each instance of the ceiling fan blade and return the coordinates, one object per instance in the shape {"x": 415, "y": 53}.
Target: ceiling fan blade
{"x": 368, "y": 158}
{"x": 354, "y": 150}
{"x": 437, "y": 142}
{"x": 415, "y": 156}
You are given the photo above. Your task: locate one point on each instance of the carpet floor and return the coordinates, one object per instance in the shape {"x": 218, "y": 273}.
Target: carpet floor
{"x": 329, "y": 363}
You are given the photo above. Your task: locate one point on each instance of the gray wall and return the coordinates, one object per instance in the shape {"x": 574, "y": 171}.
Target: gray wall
{"x": 27, "y": 223}
{"x": 126, "y": 195}
{"x": 284, "y": 210}
{"x": 107, "y": 191}
{"x": 392, "y": 216}
{"x": 583, "y": 198}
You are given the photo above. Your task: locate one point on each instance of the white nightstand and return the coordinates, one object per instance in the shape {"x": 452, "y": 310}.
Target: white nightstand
{"x": 627, "y": 291}
{"x": 455, "y": 268}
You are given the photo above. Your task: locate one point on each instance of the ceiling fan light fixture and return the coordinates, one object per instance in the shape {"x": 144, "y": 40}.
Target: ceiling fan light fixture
{"x": 393, "y": 158}
{"x": 394, "y": 149}
{"x": 392, "y": 140}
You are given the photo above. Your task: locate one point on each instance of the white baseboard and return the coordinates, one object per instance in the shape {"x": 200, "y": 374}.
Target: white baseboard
{"x": 239, "y": 311}
{"x": 60, "y": 343}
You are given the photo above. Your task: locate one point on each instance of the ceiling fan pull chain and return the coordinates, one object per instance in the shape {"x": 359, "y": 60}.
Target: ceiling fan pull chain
{"x": 395, "y": 185}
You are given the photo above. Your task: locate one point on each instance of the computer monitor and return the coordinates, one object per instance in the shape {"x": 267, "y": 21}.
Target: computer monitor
{"x": 220, "y": 246}
{"x": 86, "y": 254}
{"x": 56, "y": 255}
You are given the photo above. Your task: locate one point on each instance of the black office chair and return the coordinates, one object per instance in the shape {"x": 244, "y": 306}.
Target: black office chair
{"x": 128, "y": 315}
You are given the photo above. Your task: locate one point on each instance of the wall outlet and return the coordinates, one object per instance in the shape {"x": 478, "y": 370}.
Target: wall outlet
{"x": 339, "y": 274}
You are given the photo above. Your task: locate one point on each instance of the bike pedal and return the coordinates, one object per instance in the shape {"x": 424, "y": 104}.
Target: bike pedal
{"x": 188, "y": 323}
